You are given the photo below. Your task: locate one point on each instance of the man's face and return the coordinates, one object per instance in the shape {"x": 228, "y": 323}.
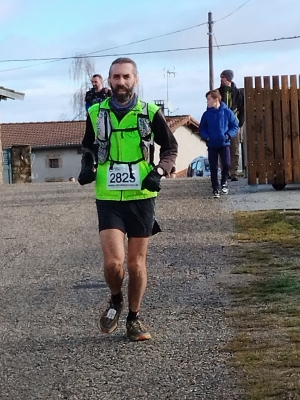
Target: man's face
{"x": 224, "y": 81}
{"x": 122, "y": 81}
{"x": 97, "y": 83}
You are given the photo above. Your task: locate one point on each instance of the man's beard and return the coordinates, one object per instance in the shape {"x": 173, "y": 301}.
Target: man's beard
{"x": 122, "y": 97}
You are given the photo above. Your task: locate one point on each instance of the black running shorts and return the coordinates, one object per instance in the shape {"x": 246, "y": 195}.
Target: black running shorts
{"x": 134, "y": 217}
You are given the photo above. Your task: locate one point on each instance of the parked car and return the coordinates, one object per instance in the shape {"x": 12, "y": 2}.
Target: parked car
{"x": 199, "y": 167}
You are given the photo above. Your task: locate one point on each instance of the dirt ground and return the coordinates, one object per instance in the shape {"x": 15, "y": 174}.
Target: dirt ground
{"x": 262, "y": 197}
{"x": 52, "y": 291}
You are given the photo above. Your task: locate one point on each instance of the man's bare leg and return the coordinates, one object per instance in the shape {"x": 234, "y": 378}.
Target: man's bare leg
{"x": 137, "y": 271}
{"x": 112, "y": 242}
{"x": 113, "y": 248}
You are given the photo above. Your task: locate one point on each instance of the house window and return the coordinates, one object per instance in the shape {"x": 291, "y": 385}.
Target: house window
{"x": 53, "y": 163}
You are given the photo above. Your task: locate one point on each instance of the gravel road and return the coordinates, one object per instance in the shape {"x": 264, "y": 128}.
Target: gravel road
{"x": 262, "y": 197}
{"x": 52, "y": 290}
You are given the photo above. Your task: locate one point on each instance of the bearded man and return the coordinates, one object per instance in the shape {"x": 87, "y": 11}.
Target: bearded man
{"x": 118, "y": 152}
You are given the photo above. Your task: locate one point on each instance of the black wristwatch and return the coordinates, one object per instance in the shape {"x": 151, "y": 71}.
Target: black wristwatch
{"x": 160, "y": 171}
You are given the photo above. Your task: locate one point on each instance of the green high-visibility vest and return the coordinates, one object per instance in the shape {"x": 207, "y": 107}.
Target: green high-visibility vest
{"x": 125, "y": 151}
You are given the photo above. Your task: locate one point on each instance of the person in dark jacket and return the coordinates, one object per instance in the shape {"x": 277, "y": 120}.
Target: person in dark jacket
{"x": 98, "y": 93}
{"x": 217, "y": 126}
{"x": 234, "y": 99}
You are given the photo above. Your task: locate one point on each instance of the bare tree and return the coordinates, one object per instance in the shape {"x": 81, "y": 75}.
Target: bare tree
{"x": 81, "y": 71}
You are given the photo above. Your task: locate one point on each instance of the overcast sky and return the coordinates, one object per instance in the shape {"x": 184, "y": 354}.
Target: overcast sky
{"x": 35, "y": 29}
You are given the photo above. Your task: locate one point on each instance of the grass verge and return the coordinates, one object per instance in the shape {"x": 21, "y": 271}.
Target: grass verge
{"x": 266, "y": 310}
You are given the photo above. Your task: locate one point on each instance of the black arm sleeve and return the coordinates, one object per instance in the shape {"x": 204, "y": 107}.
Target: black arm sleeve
{"x": 89, "y": 136}
{"x": 241, "y": 109}
{"x": 164, "y": 137}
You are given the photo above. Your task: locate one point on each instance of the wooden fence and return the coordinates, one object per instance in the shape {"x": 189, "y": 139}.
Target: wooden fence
{"x": 272, "y": 130}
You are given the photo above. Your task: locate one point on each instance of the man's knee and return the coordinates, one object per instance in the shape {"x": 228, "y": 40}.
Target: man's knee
{"x": 113, "y": 266}
{"x": 136, "y": 267}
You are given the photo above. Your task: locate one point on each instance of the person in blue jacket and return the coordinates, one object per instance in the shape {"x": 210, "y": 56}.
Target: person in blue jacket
{"x": 217, "y": 126}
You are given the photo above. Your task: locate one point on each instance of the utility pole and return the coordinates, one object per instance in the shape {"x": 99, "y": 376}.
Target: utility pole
{"x": 210, "y": 51}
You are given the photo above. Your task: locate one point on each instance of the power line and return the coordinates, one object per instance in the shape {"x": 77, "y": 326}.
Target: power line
{"x": 217, "y": 45}
{"x": 165, "y": 34}
{"x": 117, "y": 47}
{"x": 100, "y": 51}
{"x": 93, "y": 52}
{"x": 28, "y": 66}
{"x": 151, "y": 38}
{"x": 156, "y": 51}
{"x": 221, "y": 19}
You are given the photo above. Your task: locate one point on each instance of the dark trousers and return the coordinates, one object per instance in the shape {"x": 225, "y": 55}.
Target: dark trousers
{"x": 213, "y": 158}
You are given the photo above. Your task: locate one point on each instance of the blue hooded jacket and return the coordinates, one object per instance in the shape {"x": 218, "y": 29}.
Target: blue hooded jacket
{"x": 218, "y": 126}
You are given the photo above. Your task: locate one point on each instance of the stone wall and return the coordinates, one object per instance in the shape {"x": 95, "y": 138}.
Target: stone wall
{"x": 21, "y": 164}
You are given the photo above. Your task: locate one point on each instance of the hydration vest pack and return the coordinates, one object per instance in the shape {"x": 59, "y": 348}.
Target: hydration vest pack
{"x": 105, "y": 129}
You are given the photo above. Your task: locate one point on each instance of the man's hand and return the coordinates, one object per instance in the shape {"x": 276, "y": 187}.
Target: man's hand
{"x": 152, "y": 182}
{"x": 87, "y": 175}
{"x": 88, "y": 171}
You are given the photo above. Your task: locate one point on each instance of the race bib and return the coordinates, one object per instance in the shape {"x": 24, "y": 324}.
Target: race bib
{"x": 120, "y": 178}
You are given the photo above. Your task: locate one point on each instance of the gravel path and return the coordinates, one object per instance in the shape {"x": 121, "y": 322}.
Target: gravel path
{"x": 262, "y": 197}
{"x": 52, "y": 290}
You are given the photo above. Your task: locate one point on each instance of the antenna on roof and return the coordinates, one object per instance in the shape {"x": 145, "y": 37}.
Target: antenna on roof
{"x": 167, "y": 74}
{"x": 171, "y": 108}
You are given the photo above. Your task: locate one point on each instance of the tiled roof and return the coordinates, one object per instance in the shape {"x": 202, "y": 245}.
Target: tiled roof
{"x": 182, "y": 120}
{"x": 43, "y": 134}
{"x": 64, "y": 133}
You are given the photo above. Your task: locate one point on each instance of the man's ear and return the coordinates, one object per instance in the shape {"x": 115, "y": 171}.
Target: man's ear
{"x": 108, "y": 80}
{"x": 137, "y": 79}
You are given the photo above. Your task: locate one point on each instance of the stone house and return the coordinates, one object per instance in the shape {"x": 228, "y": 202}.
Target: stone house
{"x": 4, "y": 161}
{"x": 56, "y": 146}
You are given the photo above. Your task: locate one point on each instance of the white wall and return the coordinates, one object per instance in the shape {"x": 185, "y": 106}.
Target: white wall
{"x": 70, "y": 164}
{"x": 190, "y": 146}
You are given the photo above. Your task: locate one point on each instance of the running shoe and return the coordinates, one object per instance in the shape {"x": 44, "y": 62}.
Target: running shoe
{"x": 136, "y": 330}
{"x": 109, "y": 319}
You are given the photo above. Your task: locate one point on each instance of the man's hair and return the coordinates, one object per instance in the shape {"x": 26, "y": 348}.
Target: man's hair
{"x": 97, "y": 76}
{"x": 215, "y": 94}
{"x": 124, "y": 60}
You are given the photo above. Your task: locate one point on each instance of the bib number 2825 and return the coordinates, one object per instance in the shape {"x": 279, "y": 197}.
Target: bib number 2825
{"x": 120, "y": 178}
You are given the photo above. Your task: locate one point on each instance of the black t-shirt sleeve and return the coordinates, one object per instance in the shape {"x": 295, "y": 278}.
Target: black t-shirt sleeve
{"x": 241, "y": 109}
{"x": 164, "y": 137}
{"x": 89, "y": 136}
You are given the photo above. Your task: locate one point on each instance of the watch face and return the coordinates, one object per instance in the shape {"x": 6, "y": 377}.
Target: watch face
{"x": 160, "y": 171}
